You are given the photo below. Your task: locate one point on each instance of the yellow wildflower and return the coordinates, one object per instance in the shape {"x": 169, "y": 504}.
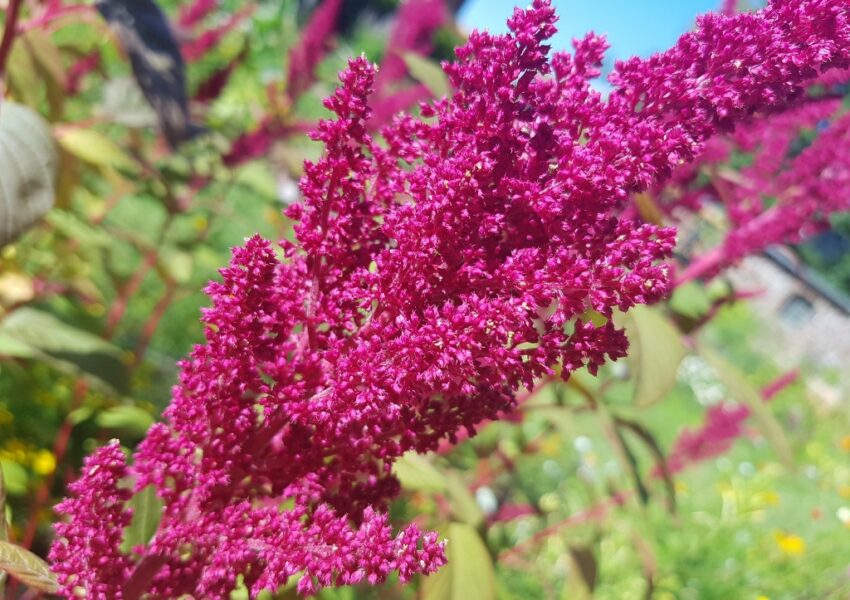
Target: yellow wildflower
{"x": 766, "y": 498}
{"x": 43, "y": 462}
{"x": 551, "y": 446}
{"x": 790, "y": 544}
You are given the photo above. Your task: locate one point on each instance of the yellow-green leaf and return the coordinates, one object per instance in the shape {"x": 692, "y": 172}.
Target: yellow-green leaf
{"x": 648, "y": 209}
{"x": 418, "y": 474}
{"x": 691, "y": 300}
{"x": 428, "y": 73}
{"x": 469, "y": 573}
{"x": 23, "y": 79}
{"x": 176, "y": 265}
{"x": 15, "y": 478}
{"x": 48, "y": 62}
{"x": 584, "y": 573}
{"x": 463, "y": 504}
{"x": 31, "y": 333}
{"x": 745, "y": 393}
{"x": 126, "y": 417}
{"x": 147, "y": 512}
{"x": 655, "y": 351}
{"x": 26, "y": 567}
{"x": 94, "y": 148}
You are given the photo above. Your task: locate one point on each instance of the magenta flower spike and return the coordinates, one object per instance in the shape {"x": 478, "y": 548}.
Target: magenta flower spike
{"x": 475, "y": 250}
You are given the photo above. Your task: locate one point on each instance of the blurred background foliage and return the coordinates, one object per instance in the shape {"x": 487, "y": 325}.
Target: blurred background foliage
{"x": 590, "y": 492}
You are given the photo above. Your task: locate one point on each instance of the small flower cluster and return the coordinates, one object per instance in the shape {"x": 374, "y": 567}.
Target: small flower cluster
{"x": 797, "y": 169}
{"x": 474, "y": 250}
{"x": 723, "y": 424}
{"x": 90, "y": 555}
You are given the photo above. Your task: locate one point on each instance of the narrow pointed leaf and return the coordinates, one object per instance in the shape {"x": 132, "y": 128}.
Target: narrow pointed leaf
{"x": 469, "y": 572}
{"x": 128, "y": 418}
{"x": 26, "y": 567}
{"x": 147, "y": 512}
{"x": 417, "y": 473}
{"x": 94, "y": 148}
{"x": 31, "y": 333}
{"x": 464, "y": 506}
{"x": 655, "y": 352}
{"x": 428, "y": 73}
{"x": 745, "y": 393}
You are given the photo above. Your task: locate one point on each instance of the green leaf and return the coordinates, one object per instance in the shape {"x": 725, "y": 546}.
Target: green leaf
{"x": 176, "y": 264}
{"x": 23, "y": 78}
{"x": 46, "y": 54}
{"x": 28, "y": 162}
{"x": 257, "y": 176}
{"x": 463, "y": 504}
{"x": 48, "y": 62}
{"x": 147, "y": 512}
{"x": 123, "y": 103}
{"x": 649, "y": 209}
{"x": 94, "y": 148}
{"x": 4, "y": 532}
{"x": 15, "y": 477}
{"x": 469, "y": 572}
{"x": 655, "y": 351}
{"x": 77, "y": 416}
{"x": 584, "y": 573}
{"x": 73, "y": 227}
{"x": 26, "y": 567}
{"x": 745, "y": 393}
{"x": 428, "y": 73}
{"x": 418, "y": 474}
{"x": 690, "y": 300}
{"x": 31, "y": 333}
{"x": 129, "y": 418}
{"x": 645, "y": 435}
{"x": 9, "y": 346}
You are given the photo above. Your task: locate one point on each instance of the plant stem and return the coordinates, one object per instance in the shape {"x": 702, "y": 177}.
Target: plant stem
{"x": 9, "y": 32}
{"x": 49, "y": 16}
{"x": 150, "y": 326}
{"x": 60, "y": 447}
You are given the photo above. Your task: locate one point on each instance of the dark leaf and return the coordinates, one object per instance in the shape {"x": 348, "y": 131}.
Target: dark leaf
{"x": 30, "y": 333}
{"x": 584, "y": 574}
{"x": 158, "y": 66}
{"x": 658, "y": 455}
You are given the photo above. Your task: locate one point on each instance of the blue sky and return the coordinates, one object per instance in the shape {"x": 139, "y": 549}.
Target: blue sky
{"x": 632, "y": 26}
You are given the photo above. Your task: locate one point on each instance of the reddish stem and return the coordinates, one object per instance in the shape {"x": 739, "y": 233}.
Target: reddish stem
{"x": 142, "y": 575}
{"x": 49, "y": 16}
{"x": 597, "y": 512}
{"x": 149, "y": 328}
{"x": 9, "y": 31}
{"x": 60, "y": 447}
{"x": 120, "y": 306}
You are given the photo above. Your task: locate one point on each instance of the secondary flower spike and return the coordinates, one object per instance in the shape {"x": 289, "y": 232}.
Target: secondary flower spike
{"x": 475, "y": 250}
